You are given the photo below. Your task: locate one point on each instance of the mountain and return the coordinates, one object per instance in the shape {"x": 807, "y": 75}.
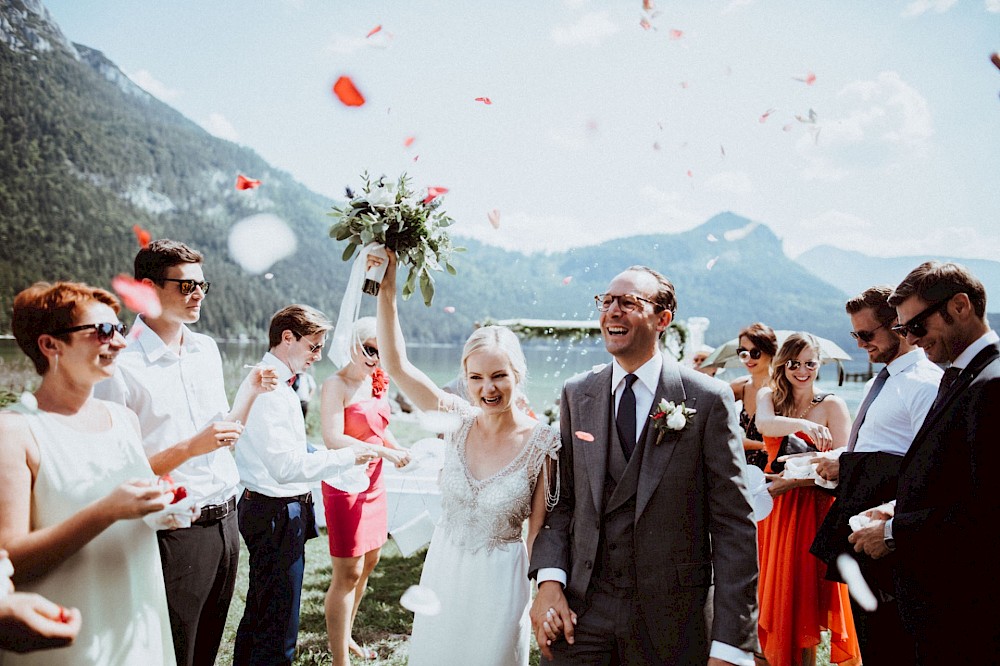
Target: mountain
{"x": 853, "y": 272}
{"x": 85, "y": 154}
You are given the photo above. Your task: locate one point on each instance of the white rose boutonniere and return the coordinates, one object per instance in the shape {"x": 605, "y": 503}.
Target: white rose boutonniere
{"x": 669, "y": 416}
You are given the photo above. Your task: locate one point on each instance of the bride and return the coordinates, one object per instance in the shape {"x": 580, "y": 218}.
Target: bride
{"x": 497, "y": 471}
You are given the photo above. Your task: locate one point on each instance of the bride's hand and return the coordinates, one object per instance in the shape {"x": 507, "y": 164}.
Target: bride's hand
{"x": 389, "y": 281}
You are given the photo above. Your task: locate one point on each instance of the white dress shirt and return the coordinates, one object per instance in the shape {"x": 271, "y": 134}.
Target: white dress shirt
{"x": 978, "y": 345}
{"x": 271, "y": 454}
{"x": 175, "y": 396}
{"x": 896, "y": 414}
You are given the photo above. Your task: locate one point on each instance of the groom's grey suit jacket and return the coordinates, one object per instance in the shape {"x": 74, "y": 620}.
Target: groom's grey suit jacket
{"x": 692, "y": 512}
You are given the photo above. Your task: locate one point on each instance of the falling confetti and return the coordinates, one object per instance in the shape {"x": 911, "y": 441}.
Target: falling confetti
{"x": 138, "y": 296}
{"x": 722, "y": 149}
{"x": 656, "y": 145}
{"x": 690, "y": 173}
{"x": 584, "y": 436}
{"x": 741, "y": 233}
{"x": 494, "y": 217}
{"x": 766, "y": 115}
{"x": 485, "y": 100}
{"x": 995, "y": 59}
{"x": 416, "y": 157}
{"x": 808, "y": 118}
{"x": 676, "y": 34}
{"x": 259, "y": 241}
{"x": 685, "y": 85}
{"x": 244, "y": 183}
{"x": 809, "y": 79}
{"x": 450, "y": 309}
{"x": 644, "y": 22}
{"x": 711, "y": 238}
{"x": 787, "y": 128}
{"x": 433, "y": 193}
{"x": 856, "y": 585}
{"x": 141, "y": 235}
{"x": 647, "y": 5}
{"x": 374, "y": 30}
{"x": 711, "y": 263}
{"x": 347, "y": 93}
{"x": 566, "y": 280}
{"x": 268, "y": 276}
{"x": 420, "y": 600}
{"x": 409, "y": 141}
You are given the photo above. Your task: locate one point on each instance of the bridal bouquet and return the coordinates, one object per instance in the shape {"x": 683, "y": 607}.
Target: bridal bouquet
{"x": 408, "y": 222}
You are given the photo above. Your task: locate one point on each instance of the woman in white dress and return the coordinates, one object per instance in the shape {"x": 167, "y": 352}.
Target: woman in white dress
{"x": 497, "y": 471}
{"x": 73, "y": 483}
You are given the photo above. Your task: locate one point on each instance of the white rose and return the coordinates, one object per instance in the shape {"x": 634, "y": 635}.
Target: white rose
{"x": 382, "y": 196}
{"x": 676, "y": 420}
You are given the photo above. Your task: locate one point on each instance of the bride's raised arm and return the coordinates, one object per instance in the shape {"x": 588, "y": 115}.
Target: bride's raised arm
{"x": 417, "y": 386}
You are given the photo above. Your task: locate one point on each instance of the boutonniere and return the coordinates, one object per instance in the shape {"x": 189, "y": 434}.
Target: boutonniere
{"x": 669, "y": 416}
{"x": 380, "y": 382}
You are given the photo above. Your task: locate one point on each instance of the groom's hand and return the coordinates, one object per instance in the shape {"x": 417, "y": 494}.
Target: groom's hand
{"x": 551, "y": 617}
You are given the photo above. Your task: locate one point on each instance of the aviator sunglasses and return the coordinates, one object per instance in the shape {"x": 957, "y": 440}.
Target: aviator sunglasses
{"x": 747, "y": 354}
{"x": 793, "y": 364}
{"x": 105, "y": 330}
{"x": 916, "y": 326}
{"x": 187, "y": 287}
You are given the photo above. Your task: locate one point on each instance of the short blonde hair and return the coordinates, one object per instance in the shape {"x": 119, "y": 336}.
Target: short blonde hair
{"x": 502, "y": 338}
{"x": 364, "y": 329}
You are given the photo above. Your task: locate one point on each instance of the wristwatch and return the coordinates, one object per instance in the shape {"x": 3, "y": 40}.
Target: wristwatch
{"x": 890, "y": 543}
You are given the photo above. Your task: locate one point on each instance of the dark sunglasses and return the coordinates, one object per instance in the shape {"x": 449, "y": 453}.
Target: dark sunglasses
{"x": 915, "y": 326}
{"x": 371, "y": 352}
{"x": 793, "y": 364}
{"x": 188, "y": 286}
{"x": 312, "y": 348}
{"x": 866, "y": 336}
{"x": 745, "y": 353}
{"x": 105, "y": 330}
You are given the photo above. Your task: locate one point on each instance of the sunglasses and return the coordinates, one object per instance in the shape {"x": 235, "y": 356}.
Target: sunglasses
{"x": 187, "y": 287}
{"x": 915, "y": 326}
{"x": 371, "y": 352}
{"x": 746, "y": 354}
{"x": 105, "y": 330}
{"x": 793, "y": 364}
{"x": 866, "y": 336}
{"x": 627, "y": 302}
{"x": 312, "y": 348}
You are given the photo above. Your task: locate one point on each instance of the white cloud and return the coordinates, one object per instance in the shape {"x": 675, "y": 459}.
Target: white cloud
{"x": 590, "y": 30}
{"x": 735, "y": 182}
{"x": 830, "y": 228}
{"x": 896, "y": 112}
{"x": 145, "y": 80}
{"x": 993, "y": 6}
{"x": 734, "y": 5}
{"x": 219, "y": 126}
{"x": 918, "y": 7}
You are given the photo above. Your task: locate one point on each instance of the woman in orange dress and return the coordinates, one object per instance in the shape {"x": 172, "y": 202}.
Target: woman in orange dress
{"x": 796, "y": 601}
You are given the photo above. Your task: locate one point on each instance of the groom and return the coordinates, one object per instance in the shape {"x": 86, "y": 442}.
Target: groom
{"x": 646, "y": 515}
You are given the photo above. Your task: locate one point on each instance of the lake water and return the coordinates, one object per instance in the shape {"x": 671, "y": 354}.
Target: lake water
{"x": 548, "y": 368}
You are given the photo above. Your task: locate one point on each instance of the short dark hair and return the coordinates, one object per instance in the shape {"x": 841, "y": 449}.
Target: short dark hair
{"x": 934, "y": 281}
{"x": 153, "y": 260}
{"x": 43, "y": 308}
{"x": 665, "y": 297}
{"x": 299, "y": 319}
{"x": 877, "y": 300}
{"x": 762, "y": 336}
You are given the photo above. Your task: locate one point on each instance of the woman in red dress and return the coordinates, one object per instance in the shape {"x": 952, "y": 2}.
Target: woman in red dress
{"x": 354, "y": 407}
{"x": 796, "y": 601}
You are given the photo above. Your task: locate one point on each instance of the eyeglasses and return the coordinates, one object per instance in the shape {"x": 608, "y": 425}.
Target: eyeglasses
{"x": 627, "y": 302}
{"x": 188, "y": 286}
{"x": 866, "y": 336}
{"x": 793, "y": 364}
{"x": 371, "y": 352}
{"x": 312, "y": 348}
{"x": 747, "y": 354}
{"x": 915, "y": 326}
{"x": 105, "y": 330}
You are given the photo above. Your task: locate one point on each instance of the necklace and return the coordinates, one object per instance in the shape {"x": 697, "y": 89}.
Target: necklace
{"x": 815, "y": 400}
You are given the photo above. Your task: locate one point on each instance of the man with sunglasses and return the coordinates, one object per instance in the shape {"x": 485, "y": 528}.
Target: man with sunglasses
{"x": 648, "y": 514}
{"x": 895, "y": 405}
{"x": 171, "y": 377}
{"x": 940, "y": 538}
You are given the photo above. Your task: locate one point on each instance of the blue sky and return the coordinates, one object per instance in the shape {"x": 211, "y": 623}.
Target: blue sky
{"x": 600, "y": 127}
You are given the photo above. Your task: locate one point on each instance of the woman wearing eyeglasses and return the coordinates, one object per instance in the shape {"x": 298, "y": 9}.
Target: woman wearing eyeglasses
{"x": 354, "y": 408}
{"x": 74, "y": 480}
{"x": 796, "y": 601}
{"x": 757, "y": 346}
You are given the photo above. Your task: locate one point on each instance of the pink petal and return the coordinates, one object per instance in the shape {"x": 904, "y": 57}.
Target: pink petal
{"x": 766, "y": 114}
{"x": 416, "y": 157}
{"x": 484, "y": 100}
{"x": 138, "y": 296}
{"x": 567, "y": 279}
{"x": 373, "y": 31}
{"x": 676, "y": 34}
{"x": 690, "y": 174}
{"x": 647, "y": 5}
{"x": 711, "y": 263}
{"x": 433, "y": 193}
{"x": 450, "y": 309}
{"x": 409, "y": 141}
{"x": 584, "y": 436}
{"x": 494, "y": 217}
{"x": 646, "y": 25}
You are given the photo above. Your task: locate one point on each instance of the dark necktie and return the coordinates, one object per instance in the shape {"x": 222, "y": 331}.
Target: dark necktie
{"x": 949, "y": 377}
{"x": 863, "y": 410}
{"x": 625, "y": 419}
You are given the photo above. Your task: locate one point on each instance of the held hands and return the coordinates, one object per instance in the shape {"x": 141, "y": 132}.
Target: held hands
{"x": 551, "y": 617}
{"x": 215, "y": 436}
{"x": 30, "y": 622}
{"x": 398, "y": 457}
{"x": 363, "y": 454}
{"x": 135, "y": 499}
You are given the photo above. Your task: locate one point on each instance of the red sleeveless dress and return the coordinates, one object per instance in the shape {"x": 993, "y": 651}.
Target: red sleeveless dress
{"x": 796, "y": 600}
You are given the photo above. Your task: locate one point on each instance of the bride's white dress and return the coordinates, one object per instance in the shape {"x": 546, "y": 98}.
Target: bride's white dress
{"x": 477, "y": 563}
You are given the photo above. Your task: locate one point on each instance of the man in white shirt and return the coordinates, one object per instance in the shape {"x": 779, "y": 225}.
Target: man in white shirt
{"x": 276, "y": 510}
{"x": 895, "y": 405}
{"x": 171, "y": 377}
{"x": 941, "y": 535}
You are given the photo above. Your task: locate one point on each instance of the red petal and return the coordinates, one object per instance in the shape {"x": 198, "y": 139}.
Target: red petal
{"x": 494, "y": 217}
{"x": 346, "y": 92}
{"x": 810, "y": 79}
{"x": 141, "y": 235}
{"x": 676, "y": 34}
{"x": 373, "y": 31}
{"x": 648, "y": 5}
{"x": 138, "y": 296}
{"x": 433, "y": 193}
{"x": 584, "y": 436}
{"x": 244, "y": 183}
{"x": 180, "y": 492}
{"x": 409, "y": 141}
{"x": 646, "y": 25}
{"x": 484, "y": 100}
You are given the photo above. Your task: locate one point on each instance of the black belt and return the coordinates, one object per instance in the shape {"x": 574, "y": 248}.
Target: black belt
{"x": 305, "y": 498}
{"x": 212, "y": 512}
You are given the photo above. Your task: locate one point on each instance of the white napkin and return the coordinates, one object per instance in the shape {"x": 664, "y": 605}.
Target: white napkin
{"x": 176, "y": 516}
{"x": 799, "y": 467}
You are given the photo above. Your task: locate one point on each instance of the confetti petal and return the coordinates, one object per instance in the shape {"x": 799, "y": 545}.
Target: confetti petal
{"x": 764, "y": 116}
{"x": 450, "y": 309}
{"x": 995, "y": 59}
{"x": 647, "y": 5}
{"x": 741, "y": 233}
{"x": 29, "y": 401}
{"x": 373, "y": 31}
{"x": 244, "y": 183}
{"x": 409, "y": 141}
{"x": 656, "y": 145}
{"x": 484, "y": 100}
{"x": 677, "y": 34}
{"x": 416, "y": 157}
{"x": 645, "y": 24}
{"x": 494, "y": 217}
{"x": 268, "y": 276}
{"x": 711, "y": 263}
{"x": 584, "y": 436}
{"x": 347, "y": 93}
{"x": 138, "y": 296}
{"x": 712, "y": 238}
{"x": 141, "y": 235}
{"x": 259, "y": 241}
{"x": 690, "y": 173}
{"x": 567, "y": 279}
{"x": 808, "y": 79}
{"x": 787, "y": 128}
{"x": 433, "y": 193}
{"x": 420, "y": 600}
{"x": 856, "y": 585}
{"x": 722, "y": 149}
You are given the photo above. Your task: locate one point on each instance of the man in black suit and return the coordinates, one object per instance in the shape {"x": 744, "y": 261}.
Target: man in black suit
{"x": 942, "y": 530}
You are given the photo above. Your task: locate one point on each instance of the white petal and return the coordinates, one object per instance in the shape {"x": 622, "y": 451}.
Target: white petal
{"x": 856, "y": 585}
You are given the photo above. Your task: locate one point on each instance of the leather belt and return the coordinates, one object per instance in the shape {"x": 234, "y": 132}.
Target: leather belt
{"x": 305, "y": 498}
{"x": 212, "y": 512}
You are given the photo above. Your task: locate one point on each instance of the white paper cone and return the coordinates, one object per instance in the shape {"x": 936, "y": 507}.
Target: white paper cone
{"x": 353, "y": 481}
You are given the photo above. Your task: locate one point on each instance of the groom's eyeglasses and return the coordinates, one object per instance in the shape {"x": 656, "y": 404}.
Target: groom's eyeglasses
{"x": 747, "y": 354}
{"x": 187, "y": 287}
{"x": 916, "y": 326}
{"x": 627, "y": 302}
{"x": 312, "y": 348}
{"x": 105, "y": 330}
